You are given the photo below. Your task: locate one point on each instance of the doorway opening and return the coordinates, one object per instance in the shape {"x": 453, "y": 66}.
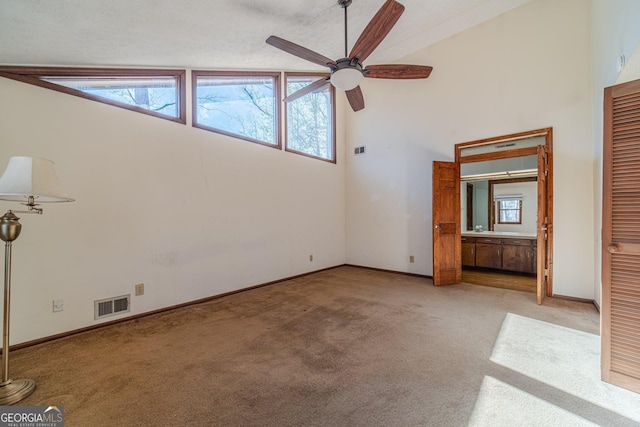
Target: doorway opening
{"x": 504, "y": 208}
{"x": 506, "y": 203}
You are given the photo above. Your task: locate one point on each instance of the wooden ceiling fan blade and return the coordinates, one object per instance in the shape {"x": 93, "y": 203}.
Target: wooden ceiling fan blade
{"x": 355, "y": 98}
{"x": 311, "y": 87}
{"x": 398, "y": 71}
{"x": 377, "y": 30}
{"x": 299, "y": 51}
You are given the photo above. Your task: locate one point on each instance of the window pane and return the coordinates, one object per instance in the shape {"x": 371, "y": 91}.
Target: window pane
{"x": 509, "y": 211}
{"x": 239, "y": 105}
{"x": 310, "y": 119}
{"x": 157, "y": 94}
{"x": 509, "y": 204}
{"x": 509, "y": 216}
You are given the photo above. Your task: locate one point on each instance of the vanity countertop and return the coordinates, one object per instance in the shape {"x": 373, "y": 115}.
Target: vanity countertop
{"x": 505, "y": 234}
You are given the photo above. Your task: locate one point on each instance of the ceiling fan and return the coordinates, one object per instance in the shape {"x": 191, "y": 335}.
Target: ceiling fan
{"x": 347, "y": 73}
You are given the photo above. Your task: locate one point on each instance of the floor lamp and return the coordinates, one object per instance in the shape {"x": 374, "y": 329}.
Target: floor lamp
{"x": 25, "y": 180}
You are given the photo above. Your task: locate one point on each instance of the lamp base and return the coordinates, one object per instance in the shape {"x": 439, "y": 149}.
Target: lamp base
{"x": 16, "y": 390}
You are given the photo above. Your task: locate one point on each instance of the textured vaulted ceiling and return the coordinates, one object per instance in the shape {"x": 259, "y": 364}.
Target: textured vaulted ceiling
{"x": 217, "y": 34}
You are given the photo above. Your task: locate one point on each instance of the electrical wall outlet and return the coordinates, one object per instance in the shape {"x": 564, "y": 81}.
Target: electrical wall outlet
{"x": 310, "y": 258}
{"x": 58, "y": 305}
{"x": 411, "y": 259}
{"x": 139, "y": 289}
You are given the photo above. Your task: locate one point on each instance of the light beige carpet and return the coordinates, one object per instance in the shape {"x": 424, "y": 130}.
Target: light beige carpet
{"x": 563, "y": 358}
{"x": 342, "y": 347}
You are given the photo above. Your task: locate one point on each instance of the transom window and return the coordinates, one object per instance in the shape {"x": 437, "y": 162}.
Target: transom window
{"x": 239, "y": 104}
{"x": 156, "y": 92}
{"x": 310, "y": 119}
{"x": 243, "y": 105}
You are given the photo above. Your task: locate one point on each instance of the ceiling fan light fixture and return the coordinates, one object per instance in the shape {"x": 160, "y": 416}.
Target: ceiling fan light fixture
{"x": 347, "y": 73}
{"x": 346, "y": 78}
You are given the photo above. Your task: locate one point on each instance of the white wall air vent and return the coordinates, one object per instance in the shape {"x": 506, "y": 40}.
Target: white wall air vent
{"x": 111, "y": 306}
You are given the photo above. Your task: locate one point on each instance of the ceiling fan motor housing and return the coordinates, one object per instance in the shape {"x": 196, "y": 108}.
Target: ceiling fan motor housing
{"x": 346, "y": 63}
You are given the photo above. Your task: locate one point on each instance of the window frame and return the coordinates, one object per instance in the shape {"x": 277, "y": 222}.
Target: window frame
{"x": 499, "y": 201}
{"x": 34, "y": 75}
{"x": 277, "y": 93}
{"x": 332, "y": 91}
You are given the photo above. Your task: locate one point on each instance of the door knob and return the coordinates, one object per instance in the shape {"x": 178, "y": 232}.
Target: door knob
{"x": 438, "y": 226}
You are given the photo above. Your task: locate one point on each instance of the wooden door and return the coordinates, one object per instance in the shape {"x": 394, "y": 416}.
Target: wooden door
{"x": 469, "y": 207}
{"x": 447, "y": 260}
{"x": 543, "y": 224}
{"x": 620, "y": 332}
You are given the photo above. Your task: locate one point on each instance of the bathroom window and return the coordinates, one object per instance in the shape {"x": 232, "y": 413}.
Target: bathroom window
{"x": 509, "y": 209}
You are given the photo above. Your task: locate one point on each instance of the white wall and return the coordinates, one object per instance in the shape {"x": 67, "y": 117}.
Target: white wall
{"x": 526, "y": 69}
{"x": 189, "y": 213}
{"x": 615, "y": 32}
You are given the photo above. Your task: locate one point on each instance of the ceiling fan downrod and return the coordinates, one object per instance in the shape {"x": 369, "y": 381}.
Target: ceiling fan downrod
{"x": 345, "y": 4}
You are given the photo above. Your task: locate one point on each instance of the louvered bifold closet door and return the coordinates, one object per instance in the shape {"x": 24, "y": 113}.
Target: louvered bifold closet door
{"x": 621, "y": 237}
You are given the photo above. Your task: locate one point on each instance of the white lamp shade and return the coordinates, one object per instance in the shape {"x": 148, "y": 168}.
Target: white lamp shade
{"x": 346, "y": 78}
{"x": 31, "y": 176}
